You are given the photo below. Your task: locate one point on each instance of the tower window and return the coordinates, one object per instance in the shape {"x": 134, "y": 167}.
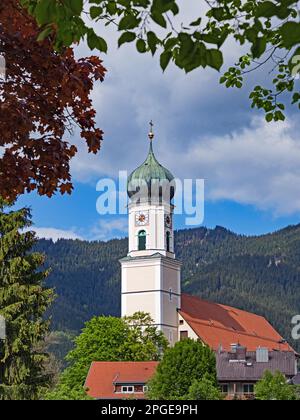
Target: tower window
{"x": 168, "y": 240}
{"x": 142, "y": 240}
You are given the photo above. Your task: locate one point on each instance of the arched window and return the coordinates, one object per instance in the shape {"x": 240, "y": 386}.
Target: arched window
{"x": 168, "y": 241}
{"x": 142, "y": 240}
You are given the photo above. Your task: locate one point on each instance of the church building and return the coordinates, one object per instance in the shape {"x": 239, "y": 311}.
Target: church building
{"x": 151, "y": 283}
{"x": 151, "y": 274}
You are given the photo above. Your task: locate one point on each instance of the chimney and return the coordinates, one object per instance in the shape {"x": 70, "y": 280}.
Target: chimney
{"x": 241, "y": 353}
{"x": 238, "y": 353}
{"x": 233, "y": 348}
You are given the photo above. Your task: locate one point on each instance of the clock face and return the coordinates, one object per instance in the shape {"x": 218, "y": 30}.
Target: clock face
{"x": 168, "y": 220}
{"x": 141, "y": 218}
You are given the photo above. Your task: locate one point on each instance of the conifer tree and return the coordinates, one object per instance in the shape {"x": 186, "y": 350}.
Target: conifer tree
{"x": 23, "y": 302}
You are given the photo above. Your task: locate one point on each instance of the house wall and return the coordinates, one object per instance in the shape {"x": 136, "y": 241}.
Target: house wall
{"x": 184, "y": 326}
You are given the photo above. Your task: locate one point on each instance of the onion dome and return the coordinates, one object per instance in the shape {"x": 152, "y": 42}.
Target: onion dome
{"x": 151, "y": 181}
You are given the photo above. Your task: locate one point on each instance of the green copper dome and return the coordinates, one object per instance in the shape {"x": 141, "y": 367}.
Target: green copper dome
{"x": 151, "y": 180}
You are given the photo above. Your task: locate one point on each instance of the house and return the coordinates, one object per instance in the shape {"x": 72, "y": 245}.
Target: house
{"x": 239, "y": 370}
{"x": 119, "y": 380}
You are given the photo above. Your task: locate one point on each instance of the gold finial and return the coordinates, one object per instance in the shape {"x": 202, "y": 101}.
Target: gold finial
{"x": 151, "y": 134}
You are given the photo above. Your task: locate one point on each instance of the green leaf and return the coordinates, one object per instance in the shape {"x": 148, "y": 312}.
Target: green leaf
{"x": 251, "y": 34}
{"x": 290, "y": 33}
{"x": 141, "y": 46}
{"x": 165, "y": 58}
{"x": 163, "y": 6}
{"x": 266, "y": 9}
{"x": 76, "y": 6}
{"x": 42, "y": 11}
{"x": 218, "y": 13}
{"x": 294, "y": 63}
{"x": 126, "y": 37}
{"x": 175, "y": 9}
{"x": 152, "y": 41}
{"x": 128, "y": 22}
{"x": 95, "y": 12}
{"x": 269, "y": 117}
{"x": 159, "y": 19}
{"x": 43, "y": 35}
{"x": 196, "y": 22}
{"x": 111, "y": 8}
{"x": 259, "y": 47}
{"x": 214, "y": 59}
{"x": 95, "y": 41}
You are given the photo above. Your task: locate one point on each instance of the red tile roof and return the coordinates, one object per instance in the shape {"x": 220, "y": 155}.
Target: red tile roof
{"x": 103, "y": 375}
{"x": 220, "y": 325}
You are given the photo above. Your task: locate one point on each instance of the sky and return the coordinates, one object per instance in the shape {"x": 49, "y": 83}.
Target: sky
{"x": 251, "y": 169}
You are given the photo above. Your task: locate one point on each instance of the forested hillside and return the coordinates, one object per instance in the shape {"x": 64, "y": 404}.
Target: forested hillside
{"x": 260, "y": 274}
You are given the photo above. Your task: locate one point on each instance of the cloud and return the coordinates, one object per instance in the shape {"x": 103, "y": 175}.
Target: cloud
{"x": 135, "y": 91}
{"x": 106, "y": 229}
{"x": 54, "y": 234}
{"x": 202, "y": 130}
{"x": 258, "y": 165}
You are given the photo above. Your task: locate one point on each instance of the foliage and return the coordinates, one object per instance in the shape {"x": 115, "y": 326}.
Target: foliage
{"x": 43, "y": 95}
{"x": 23, "y": 302}
{"x": 269, "y": 32}
{"x": 108, "y": 338}
{"x": 274, "y": 387}
{"x": 204, "y": 389}
{"x": 181, "y": 365}
{"x": 260, "y": 274}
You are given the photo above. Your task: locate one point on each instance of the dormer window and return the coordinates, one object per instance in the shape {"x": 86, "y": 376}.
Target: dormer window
{"x": 127, "y": 389}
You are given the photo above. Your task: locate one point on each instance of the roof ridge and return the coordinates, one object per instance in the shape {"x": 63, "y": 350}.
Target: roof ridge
{"x": 224, "y": 306}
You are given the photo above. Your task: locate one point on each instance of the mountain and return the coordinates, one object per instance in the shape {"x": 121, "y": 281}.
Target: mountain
{"x": 256, "y": 273}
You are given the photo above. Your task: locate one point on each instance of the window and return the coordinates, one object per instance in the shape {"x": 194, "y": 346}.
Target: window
{"x": 127, "y": 389}
{"x": 170, "y": 295}
{"x": 224, "y": 388}
{"x": 145, "y": 388}
{"x": 142, "y": 240}
{"x": 248, "y": 389}
{"x": 168, "y": 241}
{"x": 181, "y": 322}
{"x": 183, "y": 335}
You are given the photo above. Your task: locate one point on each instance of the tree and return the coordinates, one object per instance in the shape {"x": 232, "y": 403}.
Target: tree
{"x": 274, "y": 387}
{"x": 23, "y": 302}
{"x": 42, "y": 97}
{"x": 108, "y": 338}
{"x": 269, "y": 31}
{"x": 186, "y": 362}
{"x": 204, "y": 389}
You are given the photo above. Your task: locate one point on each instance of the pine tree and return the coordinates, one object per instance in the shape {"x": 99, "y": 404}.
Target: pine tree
{"x": 23, "y": 302}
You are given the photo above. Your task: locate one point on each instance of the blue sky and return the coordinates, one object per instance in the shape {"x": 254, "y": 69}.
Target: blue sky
{"x": 202, "y": 130}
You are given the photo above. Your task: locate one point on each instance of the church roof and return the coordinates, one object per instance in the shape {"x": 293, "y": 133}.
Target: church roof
{"x": 221, "y": 326}
{"x": 149, "y": 174}
{"x": 104, "y": 376}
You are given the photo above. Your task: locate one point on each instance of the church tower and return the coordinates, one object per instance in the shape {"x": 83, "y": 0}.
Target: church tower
{"x": 150, "y": 272}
